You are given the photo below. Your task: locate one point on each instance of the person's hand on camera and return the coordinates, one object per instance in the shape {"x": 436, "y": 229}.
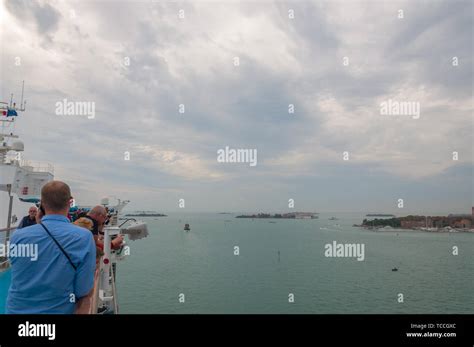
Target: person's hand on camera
{"x": 117, "y": 242}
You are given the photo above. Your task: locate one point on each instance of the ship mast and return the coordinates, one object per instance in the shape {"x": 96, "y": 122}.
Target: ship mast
{"x": 8, "y": 114}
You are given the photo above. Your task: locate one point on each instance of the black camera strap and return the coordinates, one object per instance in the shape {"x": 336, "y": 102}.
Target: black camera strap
{"x": 60, "y": 247}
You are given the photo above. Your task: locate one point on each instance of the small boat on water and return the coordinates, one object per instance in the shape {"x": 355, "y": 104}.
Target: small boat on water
{"x": 187, "y": 227}
{"x": 333, "y": 218}
{"x": 394, "y": 269}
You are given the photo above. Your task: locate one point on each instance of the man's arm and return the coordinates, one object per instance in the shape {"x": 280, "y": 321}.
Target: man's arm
{"x": 84, "y": 279}
{"x": 83, "y": 305}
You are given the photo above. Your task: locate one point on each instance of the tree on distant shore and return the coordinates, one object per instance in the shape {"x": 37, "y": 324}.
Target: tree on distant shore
{"x": 392, "y": 222}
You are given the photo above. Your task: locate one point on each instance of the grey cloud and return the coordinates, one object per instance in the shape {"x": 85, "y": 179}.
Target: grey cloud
{"x": 430, "y": 36}
{"x": 45, "y": 16}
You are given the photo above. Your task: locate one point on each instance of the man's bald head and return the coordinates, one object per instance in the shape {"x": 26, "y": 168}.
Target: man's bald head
{"x": 98, "y": 213}
{"x": 56, "y": 197}
{"x": 98, "y": 210}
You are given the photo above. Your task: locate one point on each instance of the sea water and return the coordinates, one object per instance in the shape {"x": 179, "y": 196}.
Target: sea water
{"x": 288, "y": 257}
{"x": 231, "y": 265}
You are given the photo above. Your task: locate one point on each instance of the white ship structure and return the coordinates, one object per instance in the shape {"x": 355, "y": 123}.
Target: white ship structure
{"x": 18, "y": 177}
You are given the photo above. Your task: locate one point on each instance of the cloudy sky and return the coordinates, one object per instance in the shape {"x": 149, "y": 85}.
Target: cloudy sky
{"x": 336, "y": 62}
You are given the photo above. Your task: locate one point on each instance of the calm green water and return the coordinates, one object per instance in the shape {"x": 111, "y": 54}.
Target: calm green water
{"x": 202, "y": 265}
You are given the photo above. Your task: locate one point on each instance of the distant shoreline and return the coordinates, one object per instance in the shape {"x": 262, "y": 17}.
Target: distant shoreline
{"x": 428, "y": 230}
{"x": 145, "y": 215}
{"x": 291, "y": 215}
{"x": 379, "y": 215}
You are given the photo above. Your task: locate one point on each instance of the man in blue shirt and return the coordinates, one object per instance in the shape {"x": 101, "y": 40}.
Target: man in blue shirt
{"x": 62, "y": 272}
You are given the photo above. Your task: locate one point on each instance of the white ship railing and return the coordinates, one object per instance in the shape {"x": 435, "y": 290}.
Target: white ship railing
{"x": 37, "y": 166}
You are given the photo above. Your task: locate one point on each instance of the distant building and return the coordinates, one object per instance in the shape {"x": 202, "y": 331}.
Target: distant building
{"x": 453, "y": 221}
{"x": 439, "y": 221}
{"x": 303, "y": 215}
{"x": 299, "y": 215}
{"x": 458, "y": 221}
{"x": 464, "y": 223}
{"x": 410, "y": 224}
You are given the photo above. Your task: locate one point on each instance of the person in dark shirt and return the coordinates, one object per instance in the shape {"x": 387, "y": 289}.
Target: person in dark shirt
{"x": 99, "y": 216}
{"x": 30, "y": 219}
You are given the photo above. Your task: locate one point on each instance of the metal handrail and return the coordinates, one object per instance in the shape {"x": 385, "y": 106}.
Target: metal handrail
{"x": 95, "y": 295}
{"x": 114, "y": 293}
{"x": 8, "y": 229}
